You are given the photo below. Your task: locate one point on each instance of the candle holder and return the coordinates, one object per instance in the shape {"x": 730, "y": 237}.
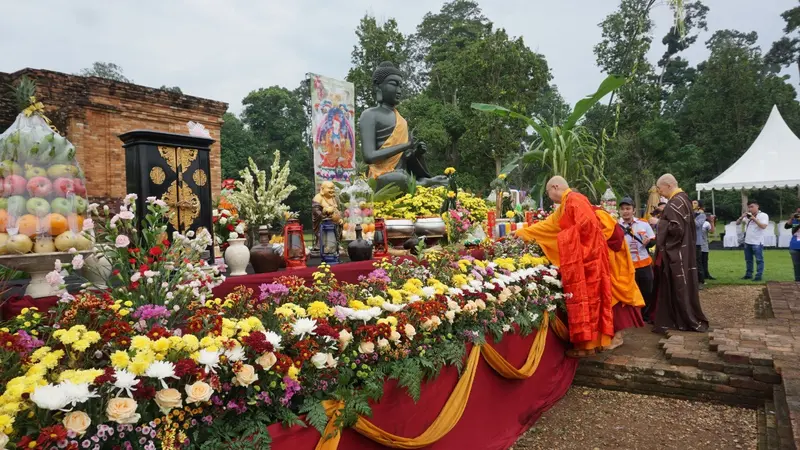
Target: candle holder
{"x": 294, "y": 251}
{"x": 380, "y": 242}
{"x": 328, "y": 242}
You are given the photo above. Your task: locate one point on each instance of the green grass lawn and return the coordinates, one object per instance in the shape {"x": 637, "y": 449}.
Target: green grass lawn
{"x": 727, "y": 266}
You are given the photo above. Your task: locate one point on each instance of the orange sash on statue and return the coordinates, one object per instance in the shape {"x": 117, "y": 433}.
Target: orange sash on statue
{"x": 399, "y": 136}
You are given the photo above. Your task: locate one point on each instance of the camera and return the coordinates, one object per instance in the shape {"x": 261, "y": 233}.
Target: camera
{"x": 749, "y": 215}
{"x": 797, "y": 216}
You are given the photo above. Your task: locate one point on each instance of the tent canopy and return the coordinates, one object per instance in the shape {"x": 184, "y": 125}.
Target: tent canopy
{"x": 771, "y": 162}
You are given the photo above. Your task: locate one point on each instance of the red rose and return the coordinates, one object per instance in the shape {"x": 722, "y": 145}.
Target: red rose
{"x": 156, "y": 251}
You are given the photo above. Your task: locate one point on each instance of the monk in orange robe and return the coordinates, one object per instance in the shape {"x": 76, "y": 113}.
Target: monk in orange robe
{"x": 573, "y": 239}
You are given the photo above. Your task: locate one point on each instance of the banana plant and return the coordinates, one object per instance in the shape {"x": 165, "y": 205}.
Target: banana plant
{"x": 568, "y": 150}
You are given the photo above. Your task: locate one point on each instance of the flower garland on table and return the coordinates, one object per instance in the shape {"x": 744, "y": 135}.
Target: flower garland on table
{"x": 157, "y": 362}
{"x": 227, "y": 226}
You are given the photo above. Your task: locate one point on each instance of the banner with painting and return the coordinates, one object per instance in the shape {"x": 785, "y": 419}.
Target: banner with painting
{"x": 332, "y": 119}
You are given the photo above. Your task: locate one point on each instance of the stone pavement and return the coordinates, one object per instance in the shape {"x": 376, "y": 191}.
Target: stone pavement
{"x": 755, "y": 363}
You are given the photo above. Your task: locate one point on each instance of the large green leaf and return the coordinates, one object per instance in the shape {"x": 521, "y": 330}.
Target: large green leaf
{"x": 610, "y": 84}
{"x": 505, "y": 112}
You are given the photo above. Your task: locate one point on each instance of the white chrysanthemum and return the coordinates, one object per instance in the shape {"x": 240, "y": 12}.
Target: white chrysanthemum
{"x": 161, "y": 370}
{"x": 304, "y": 326}
{"x": 367, "y": 314}
{"x": 125, "y": 381}
{"x": 50, "y": 397}
{"x": 76, "y": 393}
{"x": 235, "y": 354}
{"x": 391, "y": 307}
{"x": 273, "y": 338}
{"x": 455, "y": 291}
{"x": 428, "y": 291}
{"x": 208, "y": 359}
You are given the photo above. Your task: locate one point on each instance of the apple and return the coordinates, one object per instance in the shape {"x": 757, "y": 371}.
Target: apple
{"x": 62, "y": 170}
{"x": 39, "y": 207}
{"x": 44, "y": 245}
{"x": 34, "y": 171}
{"x": 19, "y": 244}
{"x": 40, "y": 187}
{"x": 9, "y": 167}
{"x": 83, "y": 241}
{"x": 13, "y": 185}
{"x": 80, "y": 188}
{"x": 81, "y": 205}
{"x": 3, "y": 242}
{"x": 16, "y": 206}
{"x": 63, "y": 186}
{"x": 66, "y": 241}
{"x": 61, "y": 206}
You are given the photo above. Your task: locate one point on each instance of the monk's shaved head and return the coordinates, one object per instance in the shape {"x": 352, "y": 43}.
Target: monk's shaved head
{"x": 556, "y": 188}
{"x": 667, "y": 184}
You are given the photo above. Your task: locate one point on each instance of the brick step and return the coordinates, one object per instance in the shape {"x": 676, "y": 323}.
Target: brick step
{"x": 643, "y": 376}
{"x": 783, "y": 424}
{"x": 761, "y": 421}
{"x": 773, "y": 441}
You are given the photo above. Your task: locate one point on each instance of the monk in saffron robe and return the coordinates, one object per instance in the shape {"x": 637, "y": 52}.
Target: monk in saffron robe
{"x": 573, "y": 239}
{"x": 678, "y": 296}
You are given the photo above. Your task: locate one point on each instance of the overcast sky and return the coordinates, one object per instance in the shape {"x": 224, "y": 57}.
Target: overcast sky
{"x": 224, "y": 49}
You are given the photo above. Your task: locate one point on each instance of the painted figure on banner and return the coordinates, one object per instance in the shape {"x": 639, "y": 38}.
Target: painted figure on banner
{"x": 332, "y": 129}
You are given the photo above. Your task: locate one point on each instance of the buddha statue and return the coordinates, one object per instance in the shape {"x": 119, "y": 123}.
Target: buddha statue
{"x": 325, "y": 206}
{"x": 393, "y": 154}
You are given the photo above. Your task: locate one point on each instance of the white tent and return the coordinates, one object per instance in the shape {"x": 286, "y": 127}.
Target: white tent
{"x": 772, "y": 161}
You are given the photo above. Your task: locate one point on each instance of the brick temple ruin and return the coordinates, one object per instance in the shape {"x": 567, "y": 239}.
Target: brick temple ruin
{"x": 93, "y": 111}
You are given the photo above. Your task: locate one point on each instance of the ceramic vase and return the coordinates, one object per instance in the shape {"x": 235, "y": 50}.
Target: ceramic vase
{"x": 97, "y": 269}
{"x": 263, "y": 255}
{"x": 237, "y": 256}
{"x": 359, "y": 249}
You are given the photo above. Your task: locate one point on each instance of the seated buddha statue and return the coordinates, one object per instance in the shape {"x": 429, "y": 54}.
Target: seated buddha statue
{"x": 390, "y": 150}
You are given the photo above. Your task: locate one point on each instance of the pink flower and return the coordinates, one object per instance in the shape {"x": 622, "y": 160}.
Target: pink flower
{"x": 54, "y": 279}
{"x": 77, "y": 262}
{"x": 88, "y": 224}
{"x": 122, "y": 241}
{"x": 126, "y": 215}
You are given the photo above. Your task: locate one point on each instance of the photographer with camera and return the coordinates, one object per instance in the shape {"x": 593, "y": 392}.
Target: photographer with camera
{"x": 794, "y": 245}
{"x": 754, "y": 231}
{"x": 640, "y": 238}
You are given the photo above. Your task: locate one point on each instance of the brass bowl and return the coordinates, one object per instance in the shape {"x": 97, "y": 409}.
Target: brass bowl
{"x": 430, "y": 226}
{"x": 399, "y": 228}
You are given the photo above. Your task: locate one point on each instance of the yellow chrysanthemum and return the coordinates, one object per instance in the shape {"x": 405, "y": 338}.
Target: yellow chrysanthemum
{"x": 6, "y": 423}
{"x": 161, "y": 345}
{"x": 293, "y": 372}
{"x": 140, "y": 343}
{"x": 318, "y": 310}
{"x": 376, "y": 301}
{"x": 80, "y": 376}
{"x": 449, "y": 171}
{"x": 190, "y": 342}
{"x": 120, "y": 359}
{"x": 397, "y": 296}
{"x": 357, "y": 304}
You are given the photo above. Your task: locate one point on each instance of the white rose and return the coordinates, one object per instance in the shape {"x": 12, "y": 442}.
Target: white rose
{"x": 410, "y": 331}
{"x": 366, "y": 348}
{"x": 319, "y": 360}
{"x": 246, "y": 375}
{"x": 223, "y": 220}
{"x": 198, "y": 392}
{"x": 331, "y": 361}
{"x": 122, "y": 410}
{"x": 395, "y": 336}
{"x": 450, "y": 315}
{"x": 383, "y": 344}
{"x": 267, "y": 360}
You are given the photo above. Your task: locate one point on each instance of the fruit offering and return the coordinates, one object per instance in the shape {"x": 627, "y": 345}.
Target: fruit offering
{"x": 42, "y": 190}
{"x": 359, "y": 211}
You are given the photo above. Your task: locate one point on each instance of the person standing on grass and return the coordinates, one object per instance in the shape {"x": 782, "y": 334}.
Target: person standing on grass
{"x": 794, "y": 245}
{"x": 754, "y": 231}
{"x": 702, "y": 238}
{"x": 709, "y": 227}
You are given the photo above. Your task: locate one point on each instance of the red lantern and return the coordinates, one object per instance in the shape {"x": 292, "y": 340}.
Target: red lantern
{"x": 380, "y": 243}
{"x": 294, "y": 249}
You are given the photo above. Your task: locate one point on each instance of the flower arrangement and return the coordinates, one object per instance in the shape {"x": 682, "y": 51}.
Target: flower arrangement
{"x": 428, "y": 202}
{"x": 157, "y": 362}
{"x": 459, "y": 223}
{"x": 259, "y": 201}
{"x": 227, "y": 226}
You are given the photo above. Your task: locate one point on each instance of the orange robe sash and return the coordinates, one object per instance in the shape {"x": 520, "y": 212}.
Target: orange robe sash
{"x": 399, "y": 136}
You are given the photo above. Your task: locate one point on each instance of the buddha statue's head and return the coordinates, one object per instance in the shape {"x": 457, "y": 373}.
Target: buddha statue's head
{"x": 388, "y": 81}
{"x": 328, "y": 190}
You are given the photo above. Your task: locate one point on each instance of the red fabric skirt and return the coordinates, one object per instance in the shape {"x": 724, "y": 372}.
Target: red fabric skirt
{"x": 626, "y": 316}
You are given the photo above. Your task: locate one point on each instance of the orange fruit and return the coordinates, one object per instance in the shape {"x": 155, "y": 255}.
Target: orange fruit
{"x": 75, "y": 220}
{"x": 3, "y": 220}
{"x": 54, "y": 223}
{"x": 28, "y": 225}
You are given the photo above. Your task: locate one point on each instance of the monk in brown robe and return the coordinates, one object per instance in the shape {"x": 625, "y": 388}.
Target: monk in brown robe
{"x": 678, "y": 299}
{"x": 572, "y": 238}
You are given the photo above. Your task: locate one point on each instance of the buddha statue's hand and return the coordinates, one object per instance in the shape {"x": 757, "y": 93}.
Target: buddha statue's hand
{"x": 420, "y": 148}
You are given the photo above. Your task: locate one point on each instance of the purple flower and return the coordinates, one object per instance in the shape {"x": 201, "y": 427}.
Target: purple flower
{"x": 28, "y": 342}
{"x": 208, "y": 420}
{"x": 337, "y": 298}
{"x": 147, "y": 312}
{"x": 292, "y": 387}
{"x": 275, "y": 291}
{"x": 376, "y": 276}
{"x": 264, "y": 397}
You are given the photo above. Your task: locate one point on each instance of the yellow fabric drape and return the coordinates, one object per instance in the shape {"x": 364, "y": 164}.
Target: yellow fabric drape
{"x": 454, "y": 407}
{"x": 505, "y": 369}
{"x": 399, "y": 136}
{"x": 560, "y": 329}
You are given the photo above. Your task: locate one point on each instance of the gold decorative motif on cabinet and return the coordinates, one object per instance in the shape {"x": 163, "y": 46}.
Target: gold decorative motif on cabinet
{"x": 168, "y": 153}
{"x": 157, "y": 175}
{"x": 184, "y": 206}
{"x": 185, "y": 158}
{"x": 200, "y": 178}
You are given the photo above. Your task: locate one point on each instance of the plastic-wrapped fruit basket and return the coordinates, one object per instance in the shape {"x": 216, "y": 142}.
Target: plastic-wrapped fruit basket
{"x": 359, "y": 211}
{"x": 43, "y": 202}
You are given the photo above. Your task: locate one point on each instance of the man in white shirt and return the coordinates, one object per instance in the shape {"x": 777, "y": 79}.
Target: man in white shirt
{"x": 754, "y": 232}
{"x": 640, "y": 237}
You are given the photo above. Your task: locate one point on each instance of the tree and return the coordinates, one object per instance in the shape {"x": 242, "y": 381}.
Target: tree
{"x": 173, "y": 89}
{"x": 237, "y": 144}
{"x": 107, "y": 70}
{"x": 786, "y": 51}
{"x": 376, "y": 43}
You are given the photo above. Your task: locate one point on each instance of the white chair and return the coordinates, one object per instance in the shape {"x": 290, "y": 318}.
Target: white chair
{"x": 732, "y": 233}
{"x": 770, "y": 239}
{"x": 784, "y": 235}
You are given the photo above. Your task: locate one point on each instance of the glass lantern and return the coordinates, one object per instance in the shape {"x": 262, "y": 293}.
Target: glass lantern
{"x": 380, "y": 244}
{"x": 294, "y": 251}
{"x": 328, "y": 242}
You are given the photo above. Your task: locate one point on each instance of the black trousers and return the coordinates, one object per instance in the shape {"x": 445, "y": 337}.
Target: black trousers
{"x": 644, "y": 279}
{"x": 704, "y": 261}
{"x": 701, "y": 271}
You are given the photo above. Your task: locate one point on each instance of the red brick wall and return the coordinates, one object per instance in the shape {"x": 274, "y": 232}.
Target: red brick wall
{"x": 92, "y": 112}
